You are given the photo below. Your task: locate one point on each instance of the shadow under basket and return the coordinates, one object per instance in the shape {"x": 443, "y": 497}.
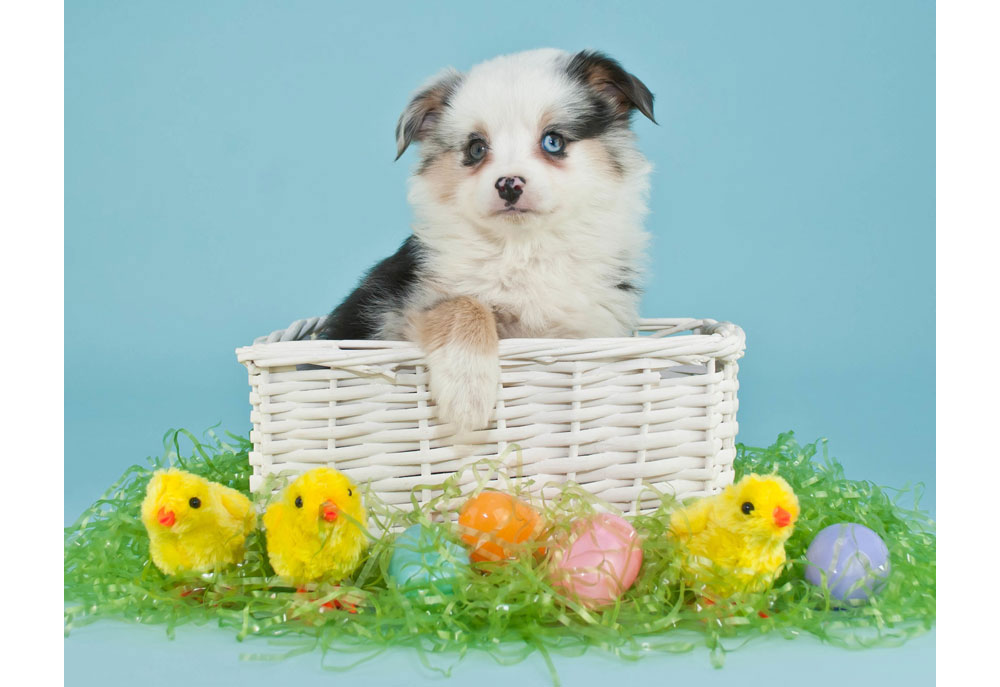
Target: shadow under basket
{"x": 618, "y": 416}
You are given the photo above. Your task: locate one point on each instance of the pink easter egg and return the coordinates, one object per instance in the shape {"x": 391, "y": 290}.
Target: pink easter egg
{"x": 599, "y": 561}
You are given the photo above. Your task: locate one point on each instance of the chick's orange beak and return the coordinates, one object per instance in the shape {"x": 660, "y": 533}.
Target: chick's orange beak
{"x": 329, "y": 511}
{"x": 782, "y": 518}
{"x": 166, "y": 517}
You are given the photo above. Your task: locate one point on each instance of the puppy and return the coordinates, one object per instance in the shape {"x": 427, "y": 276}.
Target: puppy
{"x": 528, "y": 201}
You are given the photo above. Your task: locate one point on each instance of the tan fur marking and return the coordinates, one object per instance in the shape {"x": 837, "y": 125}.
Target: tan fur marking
{"x": 600, "y": 155}
{"x": 462, "y": 321}
{"x": 442, "y": 177}
{"x": 549, "y": 159}
{"x": 601, "y": 79}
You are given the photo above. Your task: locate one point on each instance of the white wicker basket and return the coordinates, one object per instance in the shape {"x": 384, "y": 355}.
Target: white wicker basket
{"x": 612, "y": 414}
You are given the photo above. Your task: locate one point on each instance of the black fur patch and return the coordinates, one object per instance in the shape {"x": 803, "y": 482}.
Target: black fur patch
{"x": 611, "y": 84}
{"x": 382, "y": 290}
{"x": 594, "y": 121}
{"x": 627, "y": 280}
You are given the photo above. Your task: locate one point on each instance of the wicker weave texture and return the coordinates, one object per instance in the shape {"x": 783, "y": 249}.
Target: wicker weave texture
{"x": 613, "y": 415}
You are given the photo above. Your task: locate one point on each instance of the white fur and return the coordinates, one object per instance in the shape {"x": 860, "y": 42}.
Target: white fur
{"x": 550, "y": 273}
{"x": 463, "y": 384}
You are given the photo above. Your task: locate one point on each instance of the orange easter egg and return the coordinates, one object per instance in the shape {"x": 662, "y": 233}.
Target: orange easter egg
{"x": 493, "y": 524}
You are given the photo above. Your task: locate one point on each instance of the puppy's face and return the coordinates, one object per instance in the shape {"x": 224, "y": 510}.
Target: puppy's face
{"x": 521, "y": 141}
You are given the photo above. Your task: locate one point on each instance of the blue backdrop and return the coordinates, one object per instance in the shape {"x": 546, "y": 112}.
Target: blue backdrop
{"x": 229, "y": 168}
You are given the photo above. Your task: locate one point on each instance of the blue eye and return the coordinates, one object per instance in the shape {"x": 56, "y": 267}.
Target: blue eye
{"x": 553, "y": 143}
{"x": 476, "y": 150}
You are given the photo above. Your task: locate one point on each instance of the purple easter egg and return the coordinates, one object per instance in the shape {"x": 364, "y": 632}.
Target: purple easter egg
{"x": 854, "y": 560}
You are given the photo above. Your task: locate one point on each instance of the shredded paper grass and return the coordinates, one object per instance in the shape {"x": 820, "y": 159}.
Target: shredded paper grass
{"x": 508, "y": 610}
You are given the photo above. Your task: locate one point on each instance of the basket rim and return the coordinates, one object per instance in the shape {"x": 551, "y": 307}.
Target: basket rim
{"x": 707, "y": 339}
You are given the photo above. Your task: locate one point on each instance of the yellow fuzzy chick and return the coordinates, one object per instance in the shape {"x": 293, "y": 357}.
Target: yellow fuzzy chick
{"x": 315, "y": 529}
{"x": 734, "y": 542}
{"x": 193, "y": 524}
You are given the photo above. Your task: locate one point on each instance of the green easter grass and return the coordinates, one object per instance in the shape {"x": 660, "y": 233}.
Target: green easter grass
{"x": 512, "y": 612}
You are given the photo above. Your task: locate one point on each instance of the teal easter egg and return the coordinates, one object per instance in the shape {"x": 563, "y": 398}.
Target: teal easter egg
{"x": 423, "y": 559}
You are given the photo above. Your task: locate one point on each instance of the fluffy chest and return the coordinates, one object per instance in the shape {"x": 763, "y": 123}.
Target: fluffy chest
{"x": 736, "y": 553}
{"x": 541, "y": 289}
{"x": 198, "y": 550}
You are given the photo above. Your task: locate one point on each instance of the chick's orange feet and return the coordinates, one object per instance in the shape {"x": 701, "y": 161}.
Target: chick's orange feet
{"x": 706, "y": 602}
{"x": 333, "y": 604}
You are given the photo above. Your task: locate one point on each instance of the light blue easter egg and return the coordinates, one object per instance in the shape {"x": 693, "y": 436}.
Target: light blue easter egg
{"x": 423, "y": 559}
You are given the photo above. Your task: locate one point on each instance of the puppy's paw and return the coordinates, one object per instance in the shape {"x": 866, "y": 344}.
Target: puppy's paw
{"x": 459, "y": 338}
{"x": 463, "y": 384}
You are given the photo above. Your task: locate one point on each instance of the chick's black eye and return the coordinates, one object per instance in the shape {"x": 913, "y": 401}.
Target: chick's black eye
{"x": 747, "y": 507}
{"x": 553, "y": 143}
{"x": 298, "y": 502}
{"x": 350, "y": 493}
{"x": 476, "y": 150}
{"x": 195, "y": 502}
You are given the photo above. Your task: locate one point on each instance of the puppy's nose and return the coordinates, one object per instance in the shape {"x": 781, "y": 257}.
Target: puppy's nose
{"x": 510, "y": 188}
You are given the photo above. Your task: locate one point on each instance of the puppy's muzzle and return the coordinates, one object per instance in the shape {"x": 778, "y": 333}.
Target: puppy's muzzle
{"x": 510, "y": 188}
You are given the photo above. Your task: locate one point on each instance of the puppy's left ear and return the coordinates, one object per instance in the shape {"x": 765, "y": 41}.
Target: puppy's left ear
{"x": 606, "y": 76}
{"x": 424, "y": 110}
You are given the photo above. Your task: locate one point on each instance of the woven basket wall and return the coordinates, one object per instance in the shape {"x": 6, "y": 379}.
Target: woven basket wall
{"x": 658, "y": 408}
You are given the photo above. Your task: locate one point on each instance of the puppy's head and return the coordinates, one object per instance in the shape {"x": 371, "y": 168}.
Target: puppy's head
{"x": 525, "y": 140}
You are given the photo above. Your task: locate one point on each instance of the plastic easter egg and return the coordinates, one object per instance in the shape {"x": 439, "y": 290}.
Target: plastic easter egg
{"x": 424, "y": 559}
{"x": 493, "y": 524}
{"x": 599, "y": 560}
{"x": 853, "y": 559}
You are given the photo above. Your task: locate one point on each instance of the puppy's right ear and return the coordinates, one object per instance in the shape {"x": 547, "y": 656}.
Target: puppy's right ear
{"x": 425, "y": 109}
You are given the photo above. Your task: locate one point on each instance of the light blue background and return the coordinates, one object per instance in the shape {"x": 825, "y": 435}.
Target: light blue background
{"x": 229, "y": 169}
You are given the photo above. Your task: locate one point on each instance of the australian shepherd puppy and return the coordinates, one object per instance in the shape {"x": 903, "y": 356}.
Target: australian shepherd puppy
{"x": 528, "y": 205}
